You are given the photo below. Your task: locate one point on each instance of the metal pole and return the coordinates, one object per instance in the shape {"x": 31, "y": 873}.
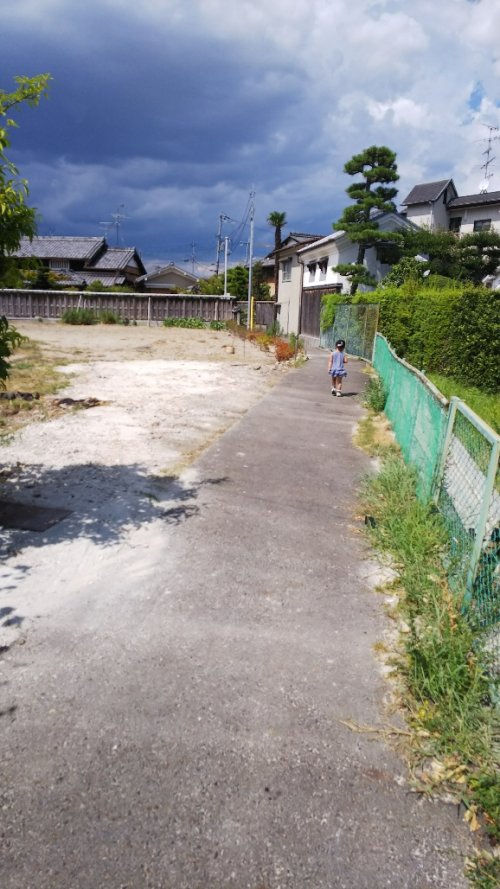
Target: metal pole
{"x": 250, "y": 261}
{"x": 452, "y": 412}
{"x": 480, "y": 529}
{"x": 217, "y": 258}
{"x": 226, "y": 239}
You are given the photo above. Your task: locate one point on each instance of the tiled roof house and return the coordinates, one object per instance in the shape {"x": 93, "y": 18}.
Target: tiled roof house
{"x": 437, "y": 205}
{"x": 84, "y": 260}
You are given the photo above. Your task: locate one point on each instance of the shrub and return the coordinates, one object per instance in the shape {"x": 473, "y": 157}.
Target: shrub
{"x": 296, "y": 343}
{"x": 108, "y": 317}
{"x": 217, "y": 325}
{"x": 263, "y": 340}
{"x": 283, "y": 350}
{"x": 329, "y": 303}
{"x": 184, "y": 322}
{"x": 79, "y": 316}
{"x": 375, "y": 394}
{"x": 273, "y": 329}
{"x": 452, "y": 330}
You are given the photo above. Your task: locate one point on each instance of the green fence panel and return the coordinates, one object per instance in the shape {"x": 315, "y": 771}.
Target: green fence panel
{"x": 417, "y": 411}
{"x": 357, "y": 325}
{"x": 456, "y": 456}
{"x": 468, "y": 497}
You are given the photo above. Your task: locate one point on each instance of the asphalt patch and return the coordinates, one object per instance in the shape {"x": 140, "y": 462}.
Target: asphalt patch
{"x": 29, "y": 518}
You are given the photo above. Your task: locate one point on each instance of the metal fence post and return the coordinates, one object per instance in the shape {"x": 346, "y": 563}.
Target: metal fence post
{"x": 489, "y": 486}
{"x": 452, "y": 412}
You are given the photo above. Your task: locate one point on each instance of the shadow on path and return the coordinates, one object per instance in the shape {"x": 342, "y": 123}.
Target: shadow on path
{"x": 102, "y": 502}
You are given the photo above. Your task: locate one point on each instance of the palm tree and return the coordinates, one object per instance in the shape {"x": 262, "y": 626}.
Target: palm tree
{"x": 277, "y": 220}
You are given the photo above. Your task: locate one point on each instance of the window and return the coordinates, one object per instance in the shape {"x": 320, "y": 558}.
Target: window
{"x": 286, "y": 270}
{"x": 323, "y": 266}
{"x": 312, "y": 271}
{"x": 455, "y": 223}
{"x": 59, "y": 263}
{"x": 482, "y": 225}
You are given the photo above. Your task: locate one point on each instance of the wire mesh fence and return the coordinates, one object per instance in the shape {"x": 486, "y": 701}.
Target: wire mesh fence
{"x": 417, "y": 412}
{"x": 357, "y": 325}
{"x": 456, "y": 456}
{"x": 468, "y": 496}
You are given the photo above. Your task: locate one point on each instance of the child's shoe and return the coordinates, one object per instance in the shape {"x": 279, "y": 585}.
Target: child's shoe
{"x": 339, "y": 394}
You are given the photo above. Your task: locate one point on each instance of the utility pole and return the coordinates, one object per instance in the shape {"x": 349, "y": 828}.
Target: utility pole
{"x": 250, "y": 260}
{"x": 226, "y": 243}
{"x": 222, "y": 218}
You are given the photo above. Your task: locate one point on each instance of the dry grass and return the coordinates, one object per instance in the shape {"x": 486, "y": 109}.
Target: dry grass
{"x": 374, "y": 435}
{"x": 31, "y": 372}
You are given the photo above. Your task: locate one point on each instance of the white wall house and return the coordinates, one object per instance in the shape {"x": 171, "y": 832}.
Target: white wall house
{"x": 290, "y": 280}
{"x": 306, "y": 274}
{"x": 306, "y": 267}
{"x": 169, "y": 277}
{"x": 437, "y": 205}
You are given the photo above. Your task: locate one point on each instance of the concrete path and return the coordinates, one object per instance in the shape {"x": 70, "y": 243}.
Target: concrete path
{"x": 191, "y": 735}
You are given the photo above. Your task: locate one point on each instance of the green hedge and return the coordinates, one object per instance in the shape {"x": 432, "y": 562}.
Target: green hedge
{"x": 452, "y": 331}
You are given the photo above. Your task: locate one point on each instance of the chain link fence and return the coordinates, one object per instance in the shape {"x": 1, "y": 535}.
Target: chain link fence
{"x": 456, "y": 456}
{"x": 417, "y": 412}
{"x": 357, "y": 325}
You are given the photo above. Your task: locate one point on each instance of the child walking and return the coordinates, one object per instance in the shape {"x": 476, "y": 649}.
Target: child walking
{"x": 336, "y": 367}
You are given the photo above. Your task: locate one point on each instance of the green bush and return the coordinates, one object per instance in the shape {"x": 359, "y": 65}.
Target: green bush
{"x": 79, "y": 316}
{"x": 184, "y": 322}
{"x": 108, "y": 317}
{"x": 329, "y": 303}
{"x": 375, "y": 395}
{"x": 452, "y": 331}
{"x": 217, "y": 325}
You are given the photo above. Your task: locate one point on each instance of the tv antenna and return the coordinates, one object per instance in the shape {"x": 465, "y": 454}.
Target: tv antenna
{"x": 483, "y": 188}
{"x": 116, "y": 221}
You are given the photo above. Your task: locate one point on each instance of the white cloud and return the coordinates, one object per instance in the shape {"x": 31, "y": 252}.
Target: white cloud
{"x": 305, "y": 86}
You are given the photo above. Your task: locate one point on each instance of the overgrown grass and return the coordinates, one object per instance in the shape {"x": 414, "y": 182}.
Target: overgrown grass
{"x": 194, "y": 323}
{"x": 30, "y": 372}
{"x": 444, "y": 687}
{"x": 375, "y": 394}
{"x": 482, "y": 403}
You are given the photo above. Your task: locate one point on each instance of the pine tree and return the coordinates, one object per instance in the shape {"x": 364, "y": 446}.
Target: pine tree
{"x": 377, "y": 166}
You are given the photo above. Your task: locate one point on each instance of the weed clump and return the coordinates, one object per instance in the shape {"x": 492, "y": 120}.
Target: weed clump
{"x": 375, "y": 394}
{"x": 79, "y": 316}
{"x": 194, "y": 323}
{"x": 446, "y": 689}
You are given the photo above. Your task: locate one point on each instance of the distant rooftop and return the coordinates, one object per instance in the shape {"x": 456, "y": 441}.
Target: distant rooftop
{"x": 428, "y": 191}
{"x": 115, "y": 258}
{"x": 473, "y": 200}
{"x": 47, "y": 247}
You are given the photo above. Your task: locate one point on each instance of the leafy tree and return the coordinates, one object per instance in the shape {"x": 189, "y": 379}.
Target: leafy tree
{"x": 377, "y": 167}
{"x": 213, "y": 285}
{"x": 237, "y": 282}
{"x": 277, "y": 221}
{"x": 407, "y": 270}
{"x": 260, "y": 289}
{"x": 16, "y": 218}
{"x": 468, "y": 257}
{"x": 10, "y": 338}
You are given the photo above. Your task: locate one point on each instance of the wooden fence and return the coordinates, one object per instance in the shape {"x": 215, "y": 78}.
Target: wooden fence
{"x": 51, "y": 304}
{"x": 17, "y": 304}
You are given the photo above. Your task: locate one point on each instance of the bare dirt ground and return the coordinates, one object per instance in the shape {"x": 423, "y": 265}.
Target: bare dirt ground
{"x": 165, "y": 394}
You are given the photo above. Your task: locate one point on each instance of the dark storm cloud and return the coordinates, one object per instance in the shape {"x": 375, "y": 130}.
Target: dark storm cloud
{"x": 176, "y": 109}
